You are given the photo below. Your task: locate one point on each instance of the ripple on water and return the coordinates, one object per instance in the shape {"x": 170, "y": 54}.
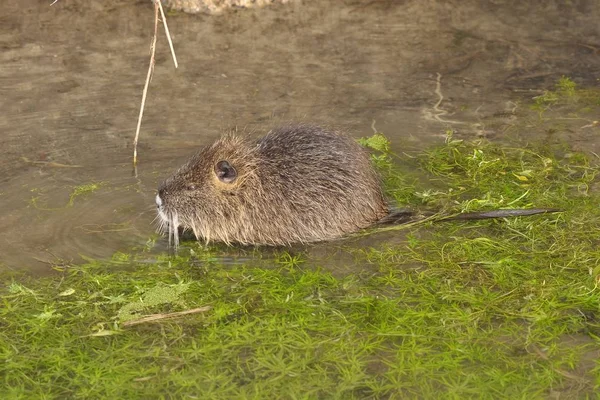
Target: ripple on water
{"x": 58, "y": 215}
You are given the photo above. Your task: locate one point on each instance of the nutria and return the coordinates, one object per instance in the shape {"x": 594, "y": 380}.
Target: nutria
{"x": 297, "y": 184}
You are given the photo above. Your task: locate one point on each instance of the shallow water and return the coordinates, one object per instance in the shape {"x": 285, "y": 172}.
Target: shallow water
{"x": 71, "y": 77}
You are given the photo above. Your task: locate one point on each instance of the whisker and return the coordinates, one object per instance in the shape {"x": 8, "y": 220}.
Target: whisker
{"x": 170, "y": 223}
{"x": 175, "y": 220}
{"x": 160, "y": 228}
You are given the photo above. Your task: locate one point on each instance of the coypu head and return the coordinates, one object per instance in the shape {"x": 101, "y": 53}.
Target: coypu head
{"x": 299, "y": 183}
{"x": 209, "y": 187}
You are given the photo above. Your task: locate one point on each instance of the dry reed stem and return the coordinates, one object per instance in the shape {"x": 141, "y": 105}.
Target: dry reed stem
{"x": 157, "y": 8}
{"x": 164, "y": 20}
{"x": 148, "y": 77}
{"x": 157, "y": 317}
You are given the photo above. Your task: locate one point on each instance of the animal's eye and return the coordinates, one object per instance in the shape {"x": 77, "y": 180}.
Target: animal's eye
{"x": 225, "y": 172}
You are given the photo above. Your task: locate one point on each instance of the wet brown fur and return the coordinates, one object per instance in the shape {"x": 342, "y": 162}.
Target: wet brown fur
{"x": 297, "y": 184}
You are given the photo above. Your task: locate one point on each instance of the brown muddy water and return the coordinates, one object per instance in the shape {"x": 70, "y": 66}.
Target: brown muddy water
{"x": 71, "y": 77}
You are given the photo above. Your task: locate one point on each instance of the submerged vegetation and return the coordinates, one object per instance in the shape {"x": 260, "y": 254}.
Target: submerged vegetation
{"x": 506, "y": 308}
{"x": 83, "y": 190}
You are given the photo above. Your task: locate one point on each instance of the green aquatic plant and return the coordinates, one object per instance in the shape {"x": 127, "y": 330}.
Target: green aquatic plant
{"x": 151, "y": 298}
{"x": 571, "y": 102}
{"x": 82, "y": 190}
{"x": 398, "y": 185}
{"x": 566, "y": 86}
{"x": 565, "y": 89}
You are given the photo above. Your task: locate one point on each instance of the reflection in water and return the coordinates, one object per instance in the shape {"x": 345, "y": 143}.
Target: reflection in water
{"x": 71, "y": 77}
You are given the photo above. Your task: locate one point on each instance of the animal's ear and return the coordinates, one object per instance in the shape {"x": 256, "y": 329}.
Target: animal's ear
{"x": 225, "y": 172}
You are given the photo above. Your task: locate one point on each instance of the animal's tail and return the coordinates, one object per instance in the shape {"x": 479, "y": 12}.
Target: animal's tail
{"x": 403, "y": 216}
{"x": 400, "y": 216}
{"x": 503, "y": 213}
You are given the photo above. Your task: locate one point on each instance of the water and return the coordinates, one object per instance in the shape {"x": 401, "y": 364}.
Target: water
{"x": 71, "y": 77}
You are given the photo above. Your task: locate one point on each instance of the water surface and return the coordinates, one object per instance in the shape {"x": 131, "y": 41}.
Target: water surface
{"x": 71, "y": 77}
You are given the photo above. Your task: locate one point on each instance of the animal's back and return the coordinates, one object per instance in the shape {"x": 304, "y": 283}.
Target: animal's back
{"x": 322, "y": 181}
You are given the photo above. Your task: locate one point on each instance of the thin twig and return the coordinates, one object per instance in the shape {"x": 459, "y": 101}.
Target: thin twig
{"x": 164, "y": 20}
{"x": 145, "y": 92}
{"x": 157, "y": 317}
